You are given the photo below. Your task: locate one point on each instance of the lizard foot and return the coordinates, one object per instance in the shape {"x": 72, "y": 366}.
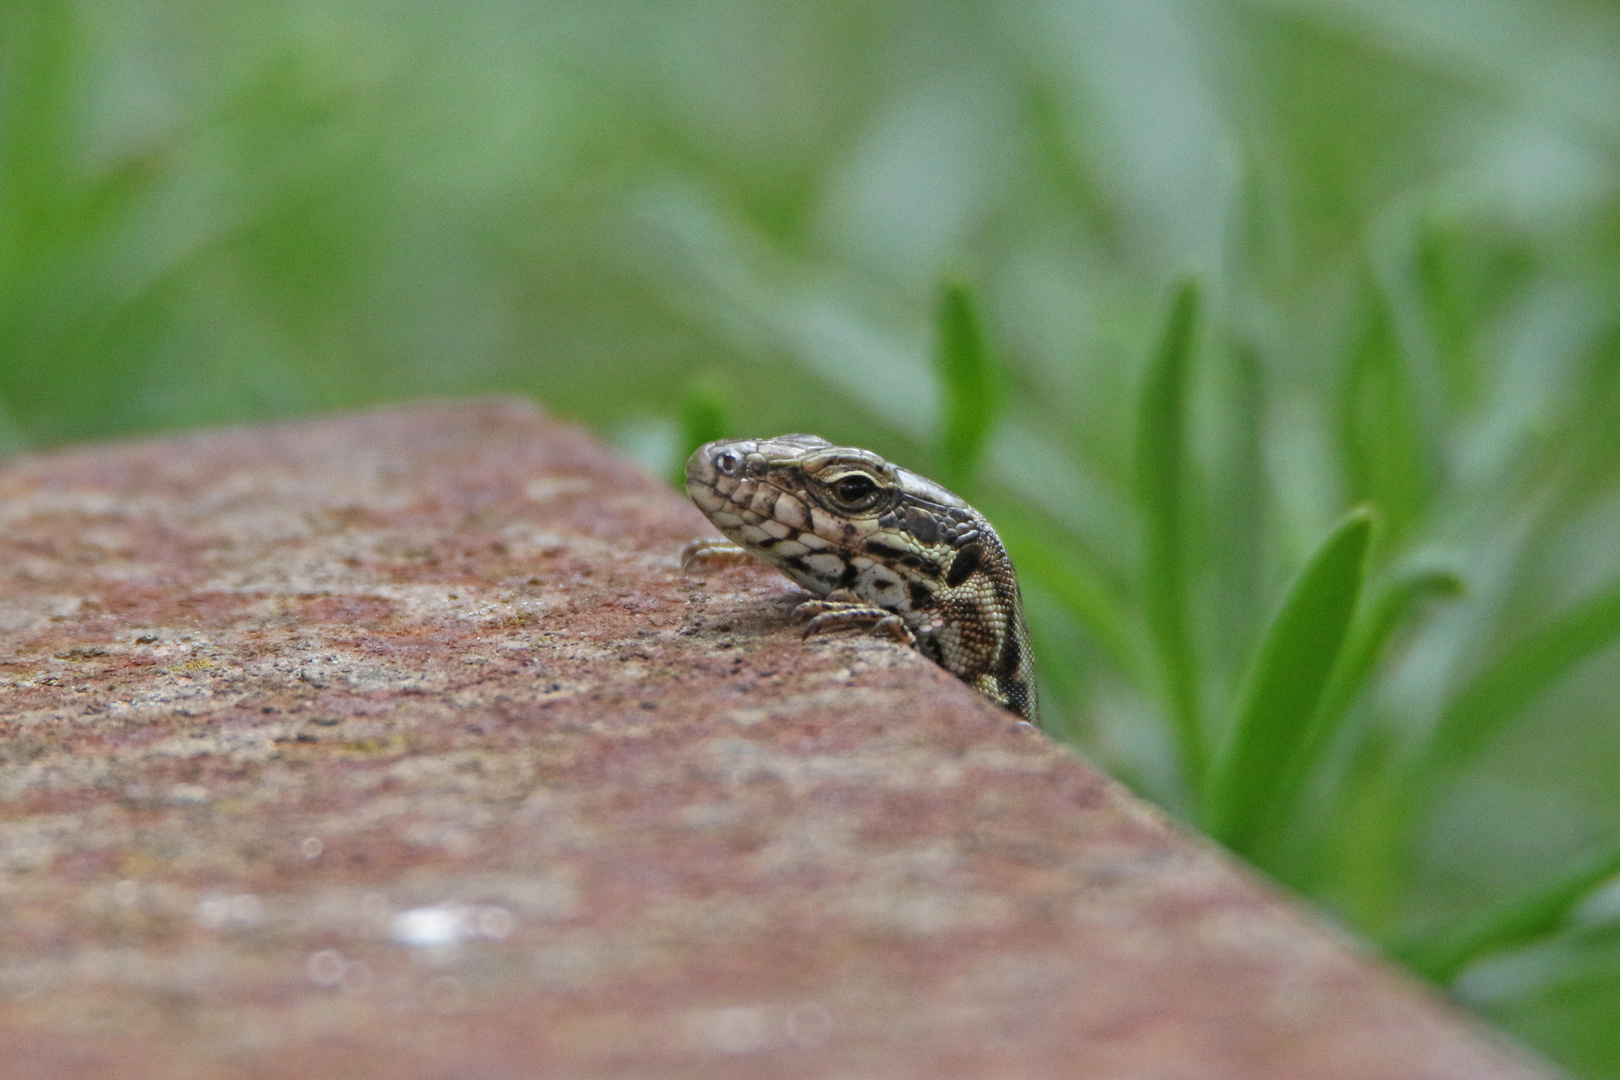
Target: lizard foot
{"x": 828, "y": 615}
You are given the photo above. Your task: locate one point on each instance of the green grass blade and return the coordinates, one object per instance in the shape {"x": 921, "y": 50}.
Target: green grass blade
{"x": 1238, "y": 502}
{"x": 1369, "y": 634}
{"x": 1499, "y": 694}
{"x": 1518, "y": 922}
{"x": 1287, "y": 681}
{"x": 971, "y": 383}
{"x": 1368, "y": 637}
{"x": 1372, "y": 632}
{"x": 1382, "y": 432}
{"x": 1161, "y": 481}
{"x": 1529, "y": 669}
{"x": 39, "y": 50}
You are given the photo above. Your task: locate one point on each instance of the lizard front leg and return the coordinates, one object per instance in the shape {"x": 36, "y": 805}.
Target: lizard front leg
{"x": 829, "y": 615}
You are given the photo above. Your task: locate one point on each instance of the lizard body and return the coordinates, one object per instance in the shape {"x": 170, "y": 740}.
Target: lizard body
{"x": 882, "y": 546}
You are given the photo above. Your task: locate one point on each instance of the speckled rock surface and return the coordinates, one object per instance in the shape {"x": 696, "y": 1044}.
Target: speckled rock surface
{"x": 396, "y": 745}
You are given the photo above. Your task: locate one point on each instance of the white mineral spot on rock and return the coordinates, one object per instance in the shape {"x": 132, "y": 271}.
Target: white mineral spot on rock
{"x": 310, "y": 847}
{"x": 220, "y": 911}
{"x": 425, "y": 927}
{"x": 748, "y": 1029}
{"x": 213, "y": 912}
{"x": 449, "y": 924}
{"x": 548, "y": 488}
{"x": 738, "y": 1029}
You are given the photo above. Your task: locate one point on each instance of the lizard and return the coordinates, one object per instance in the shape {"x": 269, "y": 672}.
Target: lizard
{"x": 879, "y": 545}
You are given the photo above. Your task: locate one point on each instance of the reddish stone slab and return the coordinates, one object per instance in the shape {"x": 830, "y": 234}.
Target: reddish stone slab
{"x": 397, "y": 745}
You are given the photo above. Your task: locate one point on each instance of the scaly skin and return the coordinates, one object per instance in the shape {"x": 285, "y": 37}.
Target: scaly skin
{"x": 883, "y": 546}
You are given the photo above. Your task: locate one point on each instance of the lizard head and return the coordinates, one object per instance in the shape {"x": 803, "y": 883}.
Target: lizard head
{"x": 730, "y": 475}
{"x": 799, "y": 494}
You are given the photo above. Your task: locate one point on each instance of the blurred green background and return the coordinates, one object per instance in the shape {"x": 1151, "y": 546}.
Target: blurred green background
{"x": 968, "y": 235}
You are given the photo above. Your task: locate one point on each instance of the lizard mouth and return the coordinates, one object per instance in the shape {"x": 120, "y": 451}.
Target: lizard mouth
{"x": 703, "y": 476}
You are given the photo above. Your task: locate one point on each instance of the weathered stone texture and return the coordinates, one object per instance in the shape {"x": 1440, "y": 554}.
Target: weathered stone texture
{"x": 397, "y": 745}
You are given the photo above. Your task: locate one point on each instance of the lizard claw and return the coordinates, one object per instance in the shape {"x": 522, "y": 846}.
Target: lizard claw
{"x": 827, "y": 615}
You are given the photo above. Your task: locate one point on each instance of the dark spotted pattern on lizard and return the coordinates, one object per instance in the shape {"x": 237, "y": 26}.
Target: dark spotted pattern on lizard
{"x": 884, "y": 547}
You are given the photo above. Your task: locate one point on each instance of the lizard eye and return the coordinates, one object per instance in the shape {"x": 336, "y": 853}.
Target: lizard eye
{"x": 856, "y": 490}
{"x": 727, "y": 463}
